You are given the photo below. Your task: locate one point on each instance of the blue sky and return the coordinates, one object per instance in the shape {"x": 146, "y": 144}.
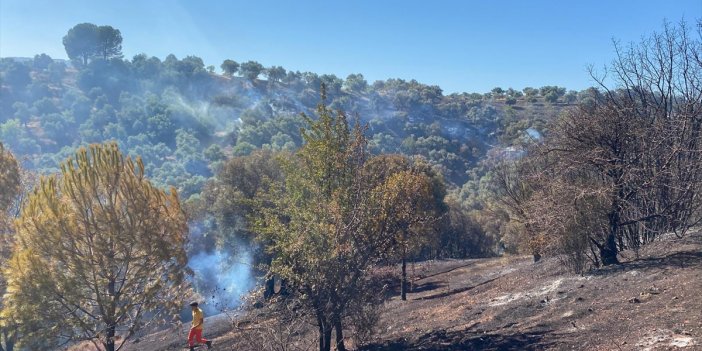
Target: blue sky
{"x": 461, "y": 46}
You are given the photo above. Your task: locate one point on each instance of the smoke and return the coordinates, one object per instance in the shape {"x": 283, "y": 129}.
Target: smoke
{"x": 221, "y": 279}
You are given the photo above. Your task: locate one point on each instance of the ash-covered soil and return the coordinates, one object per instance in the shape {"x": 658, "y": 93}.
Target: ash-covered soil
{"x": 649, "y": 302}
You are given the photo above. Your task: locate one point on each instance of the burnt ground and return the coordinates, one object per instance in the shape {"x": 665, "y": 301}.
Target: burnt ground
{"x": 649, "y": 302}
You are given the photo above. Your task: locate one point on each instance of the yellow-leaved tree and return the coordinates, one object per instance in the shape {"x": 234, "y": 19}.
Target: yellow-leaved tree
{"x": 10, "y": 182}
{"x": 100, "y": 253}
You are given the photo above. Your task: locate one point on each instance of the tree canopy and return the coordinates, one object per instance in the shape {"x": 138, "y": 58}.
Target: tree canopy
{"x": 251, "y": 69}
{"x": 87, "y": 41}
{"x": 229, "y": 67}
{"x": 100, "y": 253}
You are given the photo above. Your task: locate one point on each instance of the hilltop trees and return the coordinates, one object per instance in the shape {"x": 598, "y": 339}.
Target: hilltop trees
{"x": 229, "y": 67}
{"x": 99, "y": 254}
{"x": 251, "y": 69}
{"x": 355, "y": 83}
{"x": 275, "y": 73}
{"x": 86, "y": 41}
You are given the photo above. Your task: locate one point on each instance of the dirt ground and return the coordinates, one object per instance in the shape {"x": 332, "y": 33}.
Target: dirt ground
{"x": 653, "y": 302}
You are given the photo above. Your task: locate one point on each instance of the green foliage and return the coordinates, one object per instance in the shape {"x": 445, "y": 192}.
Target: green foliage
{"x": 333, "y": 217}
{"x": 308, "y": 221}
{"x": 87, "y": 41}
{"x": 9, "y": 179}
{"x": 16, "y": 137}
{"x": 10, "y": 198}
{"x": 275, "y": 73}
{"x": 16, "y": 76}
{"x": 355, "y": 83}
{"x": 250, "y": 69}
{"x": 42, "y": 62}
{"x": 229, "y": 67}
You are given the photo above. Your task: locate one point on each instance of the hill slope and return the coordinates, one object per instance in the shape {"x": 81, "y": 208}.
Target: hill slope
{"x": 647, "y": 303}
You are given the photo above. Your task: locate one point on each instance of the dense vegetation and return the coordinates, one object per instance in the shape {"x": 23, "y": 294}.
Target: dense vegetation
{"x": 325, "y": 178}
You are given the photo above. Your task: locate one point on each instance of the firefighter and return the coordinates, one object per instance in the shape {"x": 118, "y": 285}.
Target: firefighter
{"x": 196, "y": 329}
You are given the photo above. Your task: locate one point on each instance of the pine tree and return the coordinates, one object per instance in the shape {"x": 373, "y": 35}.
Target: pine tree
{"x": 100, "y": 253}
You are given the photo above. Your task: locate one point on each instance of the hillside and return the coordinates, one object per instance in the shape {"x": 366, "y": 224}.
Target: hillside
{"x": 188, "y": 124}
{"x": 649, "y": 302}
{"x": 166, "y": 110}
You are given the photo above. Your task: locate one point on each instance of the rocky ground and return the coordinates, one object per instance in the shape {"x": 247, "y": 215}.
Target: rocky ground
{"x": 650, "y": 302}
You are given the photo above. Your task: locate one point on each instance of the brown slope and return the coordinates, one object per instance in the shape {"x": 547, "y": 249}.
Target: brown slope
{"x": 653, "y": 302}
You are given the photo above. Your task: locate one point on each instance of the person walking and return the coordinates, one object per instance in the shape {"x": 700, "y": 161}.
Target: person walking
{"x": 196, "y": 329}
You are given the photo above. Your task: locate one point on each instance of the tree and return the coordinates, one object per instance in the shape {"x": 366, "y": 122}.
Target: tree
{"x": 229, "y": 67}
{"x": 551, "y": 97}
{"x": 408, "y": 211}
{"x": 355, "y": 83}
{"x": 332, "y": 84}
{"x": 56, "y": 71}
{"x": 42, "y": 62}
{"x": 100, "y": 253}
{"x": 275, "y": 73}
{"x": 316, "y": 227}
{"x": 9, "y": 179}
{"x": 10, "y": 189}
{"x": 411, "y": 200}
{"x": 86, "y": 41}
{"x": 17, "y": 76}
{"x": 80, "y": 42}
{"x": 109, "y": 43}
{"x": 251, "y": 69}
{"x": 627, "y": 165}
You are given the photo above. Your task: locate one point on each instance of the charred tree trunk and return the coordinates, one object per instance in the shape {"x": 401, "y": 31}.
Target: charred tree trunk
{"x": 325, "y": 332}
{"x": 269, "y": 288}
{"x": 403, "y": 283}
{"x": 339, "y": 335}
{"x": 608, "y": 251}
{"x": 110, "y": 338}
{"x": 109, "y": 320}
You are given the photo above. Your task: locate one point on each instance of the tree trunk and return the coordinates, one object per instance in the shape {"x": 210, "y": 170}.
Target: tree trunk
{"x": 10, "y": 338}
{"x": 110, "y": 338}
{"x": 608, "y": 251}
{"x": 339, "y": 335}
{"x": 403, "y": 283}
{"x": 324, "y": 333}
{"x": 111, "y": 308}
{"x": 269, "y": 288}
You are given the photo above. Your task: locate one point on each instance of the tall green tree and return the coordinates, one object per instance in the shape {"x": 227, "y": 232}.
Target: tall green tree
{"x": 100, "y": 253}
{"x": 86, "y": 41}
{"x": 313, "y": 222}
{"x": 109, "y": 43}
